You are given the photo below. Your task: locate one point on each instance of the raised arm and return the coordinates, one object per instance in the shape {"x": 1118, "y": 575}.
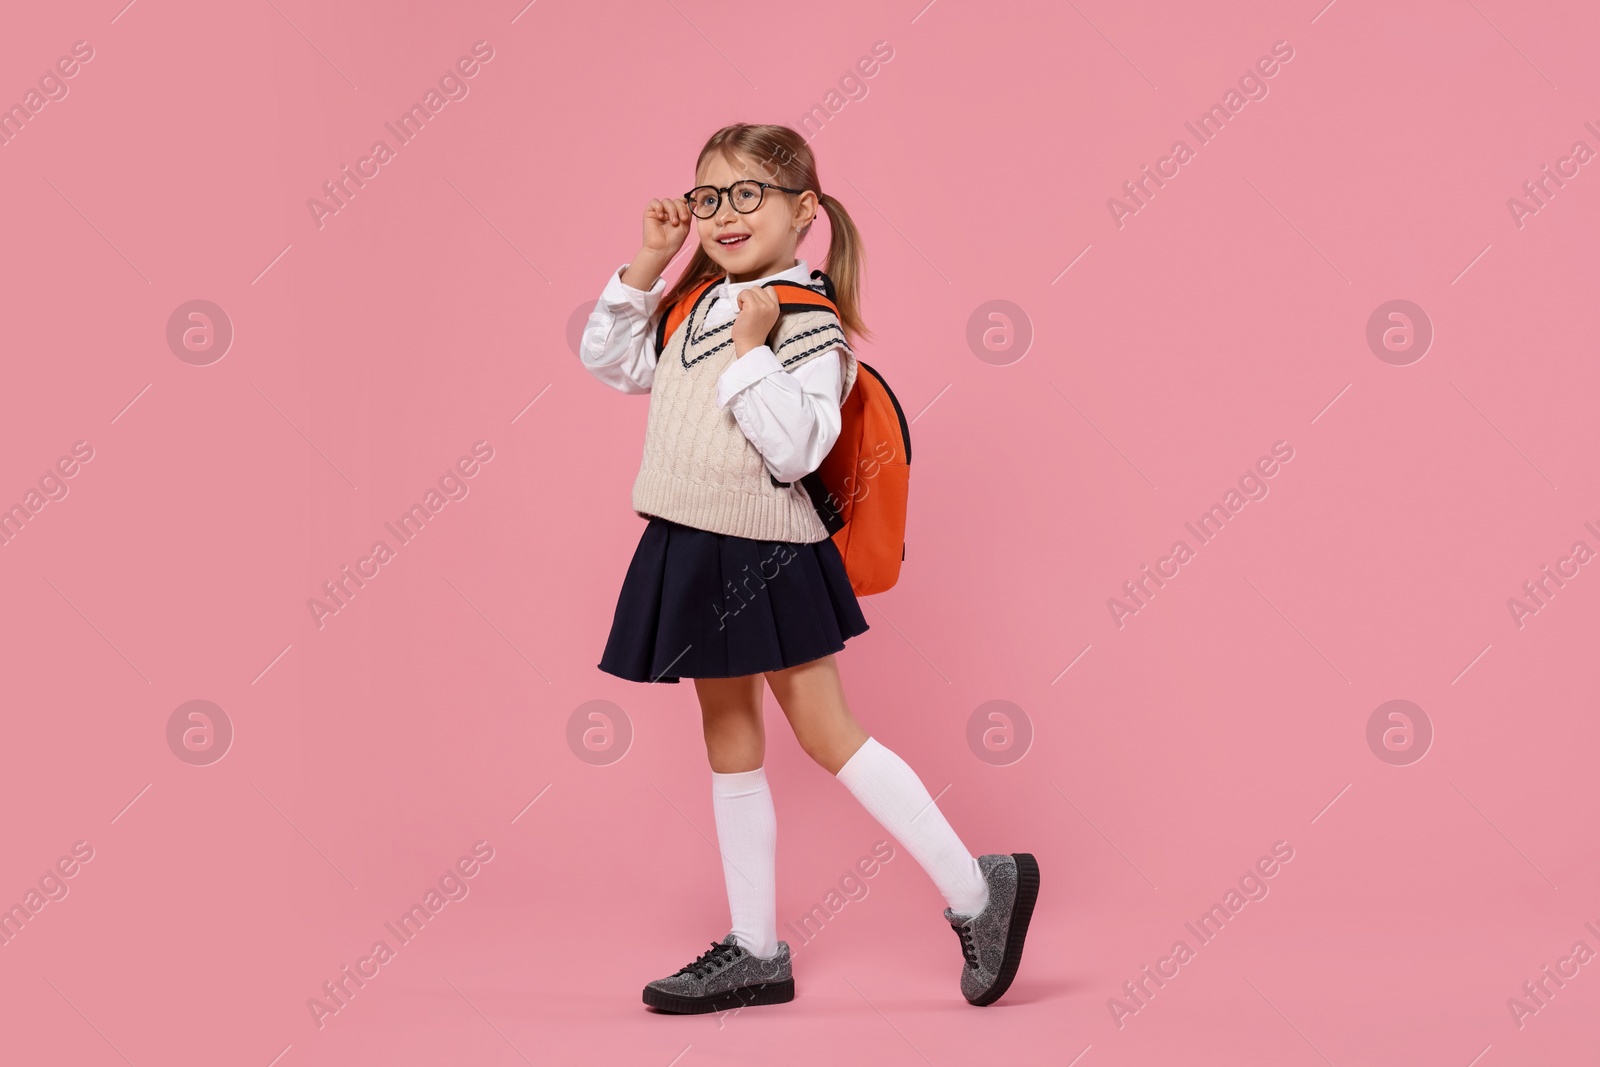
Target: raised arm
{"x": 618, "y": 347}
{"x": 618, "y": 344}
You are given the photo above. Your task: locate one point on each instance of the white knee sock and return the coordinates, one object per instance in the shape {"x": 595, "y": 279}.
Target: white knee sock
{"x": 891, "y": 791}
{"x": 747, "y": 833}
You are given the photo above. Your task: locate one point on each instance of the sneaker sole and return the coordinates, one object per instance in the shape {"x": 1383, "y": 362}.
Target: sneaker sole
{"x": 743, "y": 997}
{"x": 1017, "y": 931}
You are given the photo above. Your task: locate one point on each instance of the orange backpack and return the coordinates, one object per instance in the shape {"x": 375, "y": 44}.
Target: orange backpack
{"x": 860, "y": 490}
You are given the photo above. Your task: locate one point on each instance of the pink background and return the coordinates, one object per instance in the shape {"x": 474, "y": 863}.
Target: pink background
{"x": 429, "y": 313}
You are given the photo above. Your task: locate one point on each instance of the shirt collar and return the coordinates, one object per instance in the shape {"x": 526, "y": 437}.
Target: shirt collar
{"x": 800, "y": 272}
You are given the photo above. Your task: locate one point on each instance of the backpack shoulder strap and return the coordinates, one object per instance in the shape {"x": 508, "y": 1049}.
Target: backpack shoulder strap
{"x": 673, "y": 317}
{"x": 793, "y": 296}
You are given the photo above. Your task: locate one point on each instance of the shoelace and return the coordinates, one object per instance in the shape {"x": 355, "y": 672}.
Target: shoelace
{"x": 709, "y": 961}
{"x": 969, "y": 951}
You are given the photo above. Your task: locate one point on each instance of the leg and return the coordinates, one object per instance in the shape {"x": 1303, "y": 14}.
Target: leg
{"x": 747, "y": 824}
{"x": 730, "y": 715}
{"x": 812, "y": 698}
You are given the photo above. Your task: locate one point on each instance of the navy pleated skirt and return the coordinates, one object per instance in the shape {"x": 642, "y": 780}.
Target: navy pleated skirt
{"x": 697, "y": 604}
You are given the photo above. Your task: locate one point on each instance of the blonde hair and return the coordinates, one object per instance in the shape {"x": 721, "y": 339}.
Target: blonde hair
{"x": 784, "y": 158}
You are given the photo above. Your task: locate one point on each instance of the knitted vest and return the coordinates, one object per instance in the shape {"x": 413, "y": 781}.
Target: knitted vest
{"x": 699, "y": 469}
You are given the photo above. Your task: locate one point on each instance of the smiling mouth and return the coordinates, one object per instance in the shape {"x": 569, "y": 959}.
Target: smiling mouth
{"x": 734, "y": 240}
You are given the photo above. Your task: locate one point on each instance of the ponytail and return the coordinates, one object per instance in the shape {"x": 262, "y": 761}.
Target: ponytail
{"x": 845, "y": 263}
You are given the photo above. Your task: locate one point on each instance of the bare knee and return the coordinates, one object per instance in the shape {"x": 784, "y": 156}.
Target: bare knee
{"x": 833, "y": 751}
{"x": 812, "y": 699}
{"x": 820, "y": 749}
{"x": 732, "y": 723}
{"x": 733, "y": 746}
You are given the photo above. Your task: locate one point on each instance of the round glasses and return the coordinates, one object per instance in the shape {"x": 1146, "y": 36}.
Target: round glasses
{"x": 745, "y": 196}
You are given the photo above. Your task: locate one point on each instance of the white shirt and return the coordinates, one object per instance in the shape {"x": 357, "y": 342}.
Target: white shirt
{"x": 791, "y": 417}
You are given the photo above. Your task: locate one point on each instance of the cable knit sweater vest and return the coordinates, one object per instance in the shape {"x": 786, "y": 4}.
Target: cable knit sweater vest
{"x": 699, "y": 469}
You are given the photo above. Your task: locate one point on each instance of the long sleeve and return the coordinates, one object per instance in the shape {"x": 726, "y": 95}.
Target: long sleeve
{"x": 791, "y": 417}
{"x": 618, "y": 344}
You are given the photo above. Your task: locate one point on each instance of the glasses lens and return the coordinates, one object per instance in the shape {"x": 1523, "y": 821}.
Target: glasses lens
{"x": 703, "y": 202}
{"x": 746, "y": 196}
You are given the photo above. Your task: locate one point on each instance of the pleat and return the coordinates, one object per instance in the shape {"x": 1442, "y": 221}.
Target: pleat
{"x": 637, "y": 619}
{"x": 698, "y": 604}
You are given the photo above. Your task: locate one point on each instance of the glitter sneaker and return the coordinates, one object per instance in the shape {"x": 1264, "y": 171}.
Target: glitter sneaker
{"x": 726, "y": 977}
{"x": 991, "y": 941}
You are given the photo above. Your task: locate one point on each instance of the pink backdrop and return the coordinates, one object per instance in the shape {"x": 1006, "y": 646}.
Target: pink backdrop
{"x": 1145, "y": 358}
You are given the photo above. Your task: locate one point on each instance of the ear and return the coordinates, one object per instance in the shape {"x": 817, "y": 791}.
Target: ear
{"x": 805, "y": 209}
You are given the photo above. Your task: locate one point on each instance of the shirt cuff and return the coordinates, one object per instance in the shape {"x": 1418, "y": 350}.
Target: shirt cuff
{"x": 745, "y": 371}
{"x": 618, "y": 294}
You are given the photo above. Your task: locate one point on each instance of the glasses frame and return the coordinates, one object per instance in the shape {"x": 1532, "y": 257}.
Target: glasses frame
{"x": 723, "y": 191}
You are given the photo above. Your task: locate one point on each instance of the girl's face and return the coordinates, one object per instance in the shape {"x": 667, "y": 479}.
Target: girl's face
{"x": 763, "y": 241}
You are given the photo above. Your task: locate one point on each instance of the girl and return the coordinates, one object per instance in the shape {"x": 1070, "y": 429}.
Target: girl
{"x": 735, "y": 578}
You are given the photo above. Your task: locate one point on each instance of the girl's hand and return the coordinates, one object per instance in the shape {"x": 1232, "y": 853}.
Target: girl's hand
{"x": 758, "y": 314}
{"x": 666, "y": 224}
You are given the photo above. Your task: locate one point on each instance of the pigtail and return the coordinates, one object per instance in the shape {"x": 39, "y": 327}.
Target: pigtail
{"x": 845, "y": 264}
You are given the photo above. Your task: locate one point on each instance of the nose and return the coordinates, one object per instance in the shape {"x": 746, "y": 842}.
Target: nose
{"x": 725, "y": 210}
